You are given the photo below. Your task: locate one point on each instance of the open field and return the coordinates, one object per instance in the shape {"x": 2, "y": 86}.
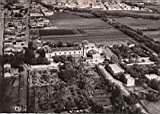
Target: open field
{"x": 150, "y": 28}
{"x": 93, "y": 29}
{"x": 139, "y": 23}
{"x": 134, "y": 14}
{"x": 153, "y": 34}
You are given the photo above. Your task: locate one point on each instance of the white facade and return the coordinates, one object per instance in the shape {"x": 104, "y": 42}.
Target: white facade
{"x": 152, "y": 76}
{"x": 69, "y": 52}
{"x": 130, "y": 80}
{"x": 36, "y": 15}
{"x": 140, "y": 61}
{"x": 42, "y": 67}
{"x": 92, "y": 46}
{"x": 95, "y": 60}
{"x": 48, "y": 13}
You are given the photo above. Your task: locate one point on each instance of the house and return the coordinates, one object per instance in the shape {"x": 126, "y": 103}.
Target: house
{"x": 130, "y": 80}
{"x": 16, "y": 11}
{"x": 152, "y": 76}
{"x": 42, "y": 67}
{"x": 94, "y": 60}
{"x": 115, "y": 69}
{"x": 9, "y": 49}
{"x": 7, "y": 67}
{"x": 48, "y": 13}
{"x": 7, "y": 75}
{"x": 36, "y": 14}
{"x": 140, "y": 61}
{"x": 10, "y": 72}
{"x": 8, "y": 44}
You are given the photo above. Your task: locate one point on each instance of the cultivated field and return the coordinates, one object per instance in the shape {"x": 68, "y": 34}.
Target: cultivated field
{"x": 150, "y": 28}
{"x": 153, "y": 34}
{"x": 94, "y": 29}
{"x": 139, "y": 23}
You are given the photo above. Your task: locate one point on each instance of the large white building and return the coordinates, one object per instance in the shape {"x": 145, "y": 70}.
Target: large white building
{"x": 130, "y": 80}
{"x": 75, "y": 51}
{"x": 152, "y": 76}
{"x": 115, "y": 69}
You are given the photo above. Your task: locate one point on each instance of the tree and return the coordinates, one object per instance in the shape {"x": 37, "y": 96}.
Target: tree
{"x": 89, "y": 54}
{"x": 118, "y": 103}
{"x": 117, "y": 100}
{"x": 59, "y": 44}
{"x": 82, "y": 83}
{"x": 41, "y": 52}
{"x": 114, "y": 59}
{"x": 153, "y": 97}
{"x": 56, "y": 59}
{"x": 63, "y": 58}
{"x": 80, "y": 102}
{"x": 7, "y": 59}
{"x": 42, "y": 60}
{"x": 29, "y": 55}
{"x": 70, "y": 44}
{"x": 6, "y": 99}
{"x": 68, "y": 65}
{"x": 69, "y": 103}
{"x": 122, "y": 78}
{"x": 70, "y": 58}
{"x": 155, "y": 84}
{"x": 139, "y": 32}
{"x": 67, "y": 75}
{"x": 141, "y": 81}
{"x": 131, "y": 100}
{"x": 59, "y": 106}
{"x": 116, "y": 92}
{"x": 95, "y": 108}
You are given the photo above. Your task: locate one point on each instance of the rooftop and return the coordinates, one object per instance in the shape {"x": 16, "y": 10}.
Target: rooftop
{"x": 152, "y": 76}
{"x": 43, "y": 67}
{"x": 66, "y": 48}
{"x": 116, "y": 68}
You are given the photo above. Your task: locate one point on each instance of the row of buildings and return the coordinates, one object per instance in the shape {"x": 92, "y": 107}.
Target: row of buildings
{"x": 16, "y": 31}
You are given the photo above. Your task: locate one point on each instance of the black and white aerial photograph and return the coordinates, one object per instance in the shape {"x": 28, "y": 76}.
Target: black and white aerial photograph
{"x": 80, "y": 56}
